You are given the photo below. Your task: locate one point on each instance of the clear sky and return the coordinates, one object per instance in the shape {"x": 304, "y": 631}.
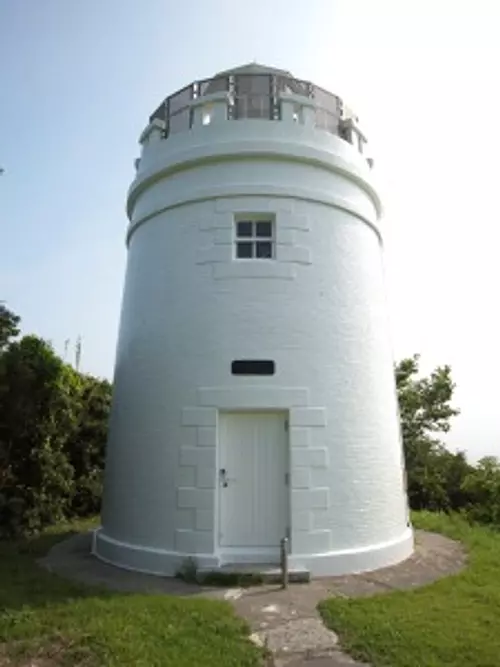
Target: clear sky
{"x": 79, "y": 79}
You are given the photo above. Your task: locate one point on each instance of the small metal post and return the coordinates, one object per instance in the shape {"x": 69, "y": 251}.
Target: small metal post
{"x": 284, "y": 561}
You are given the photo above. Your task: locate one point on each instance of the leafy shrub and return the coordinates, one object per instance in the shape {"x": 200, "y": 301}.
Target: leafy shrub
{"x": 53, "y": 423}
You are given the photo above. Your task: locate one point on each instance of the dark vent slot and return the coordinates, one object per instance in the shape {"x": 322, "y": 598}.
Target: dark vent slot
{"x": 252, "y": 367}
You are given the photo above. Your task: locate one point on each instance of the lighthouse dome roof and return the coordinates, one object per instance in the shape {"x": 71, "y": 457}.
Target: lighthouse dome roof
{"x": 254, "y": 68}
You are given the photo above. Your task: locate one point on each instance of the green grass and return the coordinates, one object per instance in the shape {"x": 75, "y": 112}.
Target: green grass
{"x": 53, "y": 622}
{"x": 454, "y": 622}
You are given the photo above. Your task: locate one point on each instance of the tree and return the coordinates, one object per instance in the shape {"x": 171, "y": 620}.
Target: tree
{"x": 53, "y": 424}
{"x": 37, "y": 417}
{"x": 482, "y": 485}
{"x": 86, "y": 449}
{"x": 8, "y": 325}
{"x": 425, "y": 407}
{"x": 424, "y": 403}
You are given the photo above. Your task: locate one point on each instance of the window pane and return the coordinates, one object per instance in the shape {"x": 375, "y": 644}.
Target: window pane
{"x": 253, "y": 106}
{"x": 327, "y": 121}
{"x": 259, "y": 84}
{"x": 244, "y": 250}
{"x": 160, "y": 113}
{"x": 264, "y": 229}
{"x": 209, "y": 86}
{"x": 327, "y": 101}
{"x": 288, "y": 85}
{"x": 264, "y": 249}
{"x": 244, "y": 228}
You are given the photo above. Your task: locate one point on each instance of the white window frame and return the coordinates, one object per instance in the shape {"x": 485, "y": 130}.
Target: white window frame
{"x": 253, "y": 219}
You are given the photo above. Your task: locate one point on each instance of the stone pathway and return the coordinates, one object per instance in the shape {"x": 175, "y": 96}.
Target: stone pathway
{"x": 288, "y": 625}
{"x": 286, "y": 621}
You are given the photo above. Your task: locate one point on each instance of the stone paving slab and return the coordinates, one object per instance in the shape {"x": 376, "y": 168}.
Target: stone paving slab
{"x": 300, "y": 635}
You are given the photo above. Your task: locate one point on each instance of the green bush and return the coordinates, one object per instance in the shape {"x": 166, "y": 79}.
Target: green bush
{"x": 86, "y": 449}
{"x": 437, "y": 479}
{"x": 482, "y": 486}
{"x": 53, "y": 423}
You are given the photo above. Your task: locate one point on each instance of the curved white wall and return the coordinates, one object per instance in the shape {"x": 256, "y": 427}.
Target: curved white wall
{"x": 318, "y": 311}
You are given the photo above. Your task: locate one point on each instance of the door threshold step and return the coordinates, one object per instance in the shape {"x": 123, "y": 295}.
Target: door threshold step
{"x": 251, "y": 574}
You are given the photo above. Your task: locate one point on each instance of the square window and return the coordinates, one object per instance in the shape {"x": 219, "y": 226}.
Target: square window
{"x": 244, "y": 228}
{"x": 263, "y": 229}
{"x": 244, "y": 250}
{"x": 255, "y": 237}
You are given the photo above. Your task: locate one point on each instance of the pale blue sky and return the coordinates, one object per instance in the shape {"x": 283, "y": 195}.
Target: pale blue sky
{"x": 79, "y": 79}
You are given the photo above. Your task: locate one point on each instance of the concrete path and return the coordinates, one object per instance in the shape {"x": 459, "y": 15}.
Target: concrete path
{"x": 286, "y": 621}
{"x": 288, "y": 625}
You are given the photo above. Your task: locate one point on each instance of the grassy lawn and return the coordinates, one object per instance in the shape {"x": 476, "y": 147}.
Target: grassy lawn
{"x": 452, "y": 623}
{"x": 48, "y": 622}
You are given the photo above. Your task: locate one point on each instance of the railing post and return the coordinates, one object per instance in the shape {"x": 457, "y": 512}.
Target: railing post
{"x": 284, "y": 561}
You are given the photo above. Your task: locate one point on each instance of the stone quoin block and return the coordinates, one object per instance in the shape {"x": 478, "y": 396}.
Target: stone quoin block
{"x": 199, "y": 417}
{"x": 310, "y": 499}
{"x": 193, "y": 541}
{"x": 204, "y": 520}
{"x": 308, "y": 417}
{"x": 186, "y": 476}
{"x": 310, "y": 457}
{"x": 301, "y": 478}
{"x": 210, "y": 222}
{"x": 204, "y": 457}
{"x": 296, "y": 254}
{"x": 299, "y": 437}
{"x": 300, "y": 222}
{"x": 230, "y": 271}
{"x": 195, "y": 498}
{"x": 207, "y": 436}
{"x": 205, "y": 478}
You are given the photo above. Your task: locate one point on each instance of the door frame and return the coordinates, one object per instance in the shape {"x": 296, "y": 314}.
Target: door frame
{"x": 251, "y": 554}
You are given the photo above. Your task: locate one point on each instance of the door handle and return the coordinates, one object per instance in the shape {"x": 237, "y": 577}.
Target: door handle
{"x": 223, "y": 477}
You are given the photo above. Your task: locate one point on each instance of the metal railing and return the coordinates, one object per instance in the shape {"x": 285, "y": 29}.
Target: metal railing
{"x": 259, "y": 96}
{"x": 252, "y": 95}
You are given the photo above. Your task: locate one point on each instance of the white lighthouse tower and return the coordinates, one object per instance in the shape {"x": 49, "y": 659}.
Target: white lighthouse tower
{"x": 254, "y": 393}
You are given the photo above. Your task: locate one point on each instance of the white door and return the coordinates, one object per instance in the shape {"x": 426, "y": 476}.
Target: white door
{"x": 253, "y": 490}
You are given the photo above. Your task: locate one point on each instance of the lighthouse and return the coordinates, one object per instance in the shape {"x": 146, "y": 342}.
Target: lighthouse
{"x": 254, "y": 391}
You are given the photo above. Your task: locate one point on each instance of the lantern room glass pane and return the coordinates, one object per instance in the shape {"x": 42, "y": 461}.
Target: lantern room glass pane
{"x": 327, "y": 100}
{"x": 210, "y": 86}
{"x": 253, "y": 96}
{"x": 180, "y": 100}
{"x": 253, "y": 84}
